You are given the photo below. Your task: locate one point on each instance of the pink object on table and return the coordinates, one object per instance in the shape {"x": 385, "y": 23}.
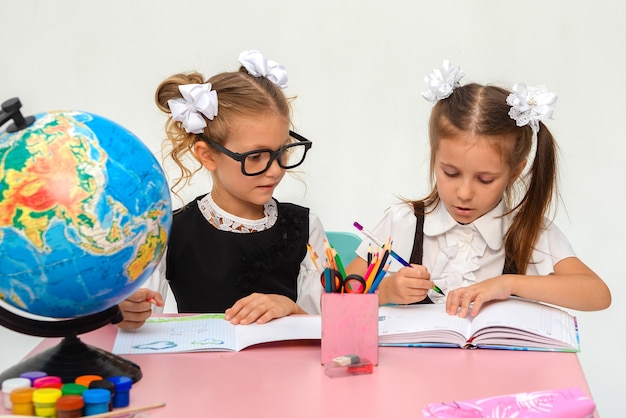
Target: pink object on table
{"x": 349, "y": 326}
{"x": 560, "y": 403}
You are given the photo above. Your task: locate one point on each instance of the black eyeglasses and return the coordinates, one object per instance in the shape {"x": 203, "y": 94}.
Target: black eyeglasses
{"x": 259, "y": 161}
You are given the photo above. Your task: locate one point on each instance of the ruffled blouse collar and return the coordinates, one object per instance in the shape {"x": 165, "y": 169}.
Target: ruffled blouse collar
{"x": 226, "y": 221}
{"x": 491, "y": 225}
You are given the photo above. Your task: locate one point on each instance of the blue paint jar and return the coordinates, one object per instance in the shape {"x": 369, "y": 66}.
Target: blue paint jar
{"x": 123, "y": 384}
{"x": 96, "y": 401}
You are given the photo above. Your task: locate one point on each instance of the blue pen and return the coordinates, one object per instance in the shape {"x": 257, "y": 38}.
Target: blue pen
{"x": 392, "y": 253}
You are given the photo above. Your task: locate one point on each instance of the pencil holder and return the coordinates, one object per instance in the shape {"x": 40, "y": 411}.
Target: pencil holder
{"x": 349, "y": 326}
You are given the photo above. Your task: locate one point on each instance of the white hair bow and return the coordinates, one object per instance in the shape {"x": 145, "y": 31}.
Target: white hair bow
{"x": 197, "y": 99}
{"x": 530, "y": 105}
{"x": 258, "y": 66}
{"x": 442, "y": 82}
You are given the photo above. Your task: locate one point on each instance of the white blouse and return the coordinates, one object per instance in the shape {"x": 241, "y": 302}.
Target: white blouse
{"x": 459, "y": 255}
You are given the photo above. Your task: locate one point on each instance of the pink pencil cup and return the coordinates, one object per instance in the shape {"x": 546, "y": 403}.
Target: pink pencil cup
{"x": 349, "y": 326}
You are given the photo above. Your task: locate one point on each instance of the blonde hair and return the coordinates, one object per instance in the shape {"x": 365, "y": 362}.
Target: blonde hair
{"x": 239, "y": 94}
{"x": 482, "y": 110}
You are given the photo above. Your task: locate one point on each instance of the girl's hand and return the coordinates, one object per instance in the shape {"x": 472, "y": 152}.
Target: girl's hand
{"x": 261, "y": 308}
{"x": 138, "y": 307}
{"x": 407, "y": 285}
{"x": 459, "y": 300}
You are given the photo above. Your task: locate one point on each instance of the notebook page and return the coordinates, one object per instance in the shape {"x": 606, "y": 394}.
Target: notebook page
{"x": 177, "y": 334}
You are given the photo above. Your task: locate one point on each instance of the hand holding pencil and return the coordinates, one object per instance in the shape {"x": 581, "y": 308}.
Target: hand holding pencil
{"x": 138, "y": 307}
{"x": 393, "y": 254}
{"x": 405, "y": 286}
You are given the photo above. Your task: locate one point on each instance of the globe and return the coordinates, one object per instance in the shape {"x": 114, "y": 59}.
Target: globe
{"x": 85, "y": 214}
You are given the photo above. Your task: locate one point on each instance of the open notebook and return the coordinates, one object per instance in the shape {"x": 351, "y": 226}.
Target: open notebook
{"x": 210, "y": 332}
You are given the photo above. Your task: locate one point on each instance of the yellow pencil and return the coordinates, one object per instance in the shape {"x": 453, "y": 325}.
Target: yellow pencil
{"x": 314, "y": 257}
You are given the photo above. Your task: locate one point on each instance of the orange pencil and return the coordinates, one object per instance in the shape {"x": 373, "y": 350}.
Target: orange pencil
{"x": 329, "y": 255}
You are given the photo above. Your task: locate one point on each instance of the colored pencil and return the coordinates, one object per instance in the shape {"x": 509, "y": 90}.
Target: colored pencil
{"x": 379, "y": 278}
{"x": 314, "y": 256}
{"x": 338, "y": 262}
{"x": 380, "y": 266}
{"x": 401, "y": 260}
{"x": 329, "y": 255}
{"x": 370, "y": 267}
{"x": 127, "y": 411}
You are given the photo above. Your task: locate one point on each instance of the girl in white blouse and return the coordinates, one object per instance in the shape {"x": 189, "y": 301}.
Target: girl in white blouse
{"x": 482, "y": 234}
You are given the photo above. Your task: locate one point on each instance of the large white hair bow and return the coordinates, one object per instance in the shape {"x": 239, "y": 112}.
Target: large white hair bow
{"x": 530, "y": 105}
{"x": 197, "y": 99}
{"x": 258, "y": 66}
{"x": 442, "y": 82}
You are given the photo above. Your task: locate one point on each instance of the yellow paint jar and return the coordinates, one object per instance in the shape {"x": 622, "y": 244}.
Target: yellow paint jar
{"x": 44, "y": 401}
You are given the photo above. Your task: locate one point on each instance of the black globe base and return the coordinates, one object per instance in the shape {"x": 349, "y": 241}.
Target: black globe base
{"x": 72, "y": 358}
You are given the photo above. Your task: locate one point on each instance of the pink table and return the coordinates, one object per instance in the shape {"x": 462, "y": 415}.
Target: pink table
{"x": 286, "y": 379}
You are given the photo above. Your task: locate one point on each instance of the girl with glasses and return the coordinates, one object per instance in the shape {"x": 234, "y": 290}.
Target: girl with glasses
{"x": 235, "y": 249}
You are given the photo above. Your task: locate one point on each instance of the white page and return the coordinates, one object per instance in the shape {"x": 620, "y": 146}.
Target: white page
{"x": 294, "y": 327}
{"x": 406, "y": 320}
{"x": 537, "y": 318}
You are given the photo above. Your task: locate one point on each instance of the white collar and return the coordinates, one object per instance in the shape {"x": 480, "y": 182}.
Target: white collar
{"x": 491, "y": 226}
{"x": 226, "y": 221}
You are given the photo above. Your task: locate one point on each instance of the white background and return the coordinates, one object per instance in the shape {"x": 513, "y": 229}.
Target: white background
{"x": 357, "y": 68}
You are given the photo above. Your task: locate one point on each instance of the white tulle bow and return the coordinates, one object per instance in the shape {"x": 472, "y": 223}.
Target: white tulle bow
{"x": 530, "y": 105}
{"x": 258, "y": 66}
{"x": 197, "y": 99}
{"x": 442, "y": 82}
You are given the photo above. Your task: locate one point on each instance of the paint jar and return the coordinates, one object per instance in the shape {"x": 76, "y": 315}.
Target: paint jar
{"x": 123, "y": 384}
{"x": 70, "y": 406}
{"x": 73, "y": 389}
{"x": 44, "y": 401}
{"x": 48, "y": 382}
{"x": 104, "y": 384}
{"x": 22, "y": 401}
{"x": 96, "y": 401}
{"x": 86, "y": 379}
{"x": 9, "y": 385}
{"x": 32, "y": 375}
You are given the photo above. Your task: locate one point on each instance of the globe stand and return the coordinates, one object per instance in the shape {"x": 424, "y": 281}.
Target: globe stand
{"x": 71, "y": 357}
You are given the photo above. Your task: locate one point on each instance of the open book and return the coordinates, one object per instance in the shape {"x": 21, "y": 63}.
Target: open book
{"x": 513, "y": 324}
{"x": 210, "y": 332}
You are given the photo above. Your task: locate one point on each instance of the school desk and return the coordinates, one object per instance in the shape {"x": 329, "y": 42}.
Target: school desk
{"x": 286, "y": 379}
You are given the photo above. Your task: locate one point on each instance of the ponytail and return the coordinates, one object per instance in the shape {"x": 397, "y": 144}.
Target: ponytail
{"x": 528, "y": 222}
